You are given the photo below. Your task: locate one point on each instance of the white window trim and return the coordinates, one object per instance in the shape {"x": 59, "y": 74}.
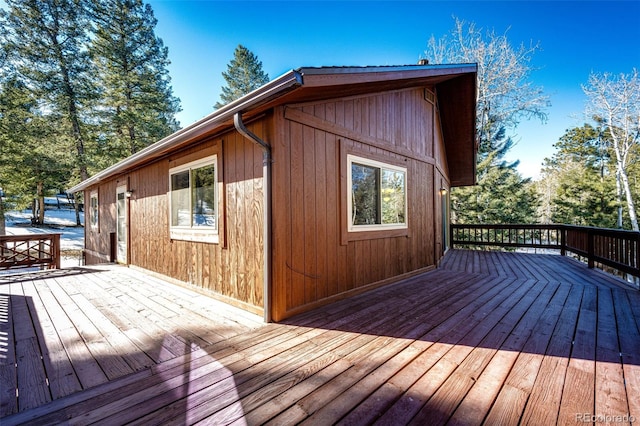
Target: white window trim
{"x": 205, "y": 234}
{"x": 378, "y": 227}
{"x": 94, "y": 214}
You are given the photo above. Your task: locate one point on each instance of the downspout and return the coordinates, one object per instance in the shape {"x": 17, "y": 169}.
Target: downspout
{"x": 266, "y": 173}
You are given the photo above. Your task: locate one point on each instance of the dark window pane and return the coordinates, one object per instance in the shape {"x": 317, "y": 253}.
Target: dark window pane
{"x": 94, "y": 210}
{"x": 393, "y": 197}
{"x": 180, "y": 208}
{"x": 203, "y": 196}
{"x": 365, "y": 188}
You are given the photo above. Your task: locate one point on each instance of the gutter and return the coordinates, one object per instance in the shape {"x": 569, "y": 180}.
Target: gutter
{"x": 316, "y": 77}
{"x": 272, "y": 90}
{"x": 266, "y": 175}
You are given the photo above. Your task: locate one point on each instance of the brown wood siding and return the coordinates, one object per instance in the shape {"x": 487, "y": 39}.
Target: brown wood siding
{"x": 439, "y": 149}
{"x": 441, "y": 182}
{"x": 232, "y": 269}
{"x": 313, "y": 262}
{"x": 460, "y": 138}
{"x": 97, "y": 240}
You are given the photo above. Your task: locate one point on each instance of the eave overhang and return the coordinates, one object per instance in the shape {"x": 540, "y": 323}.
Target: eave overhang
{"x": 457, "y": 105}
{"x": 455, "y": 85}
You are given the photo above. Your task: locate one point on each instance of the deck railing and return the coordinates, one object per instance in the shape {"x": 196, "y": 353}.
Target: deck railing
{"x": 23, "y": 251}
{"x": 613, "y": 248}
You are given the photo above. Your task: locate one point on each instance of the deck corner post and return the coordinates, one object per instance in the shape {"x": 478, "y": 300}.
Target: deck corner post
{"x": 590, "y": 249}
{"x": 637, "y": 265}
{"x": 56, "y": 250}
{"x": 452, "y": 240}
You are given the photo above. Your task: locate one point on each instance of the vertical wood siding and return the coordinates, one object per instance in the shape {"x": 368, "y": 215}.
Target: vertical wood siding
{"x": 315, "y": 261}
{"x": 312, "y": 262}
{"x": 232, "y": 269}
{"x": 97, "y": 241}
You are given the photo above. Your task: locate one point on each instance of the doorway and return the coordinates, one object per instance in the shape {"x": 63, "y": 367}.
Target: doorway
{"x": 121, "y": 225}
{"x": 444, "y": 202}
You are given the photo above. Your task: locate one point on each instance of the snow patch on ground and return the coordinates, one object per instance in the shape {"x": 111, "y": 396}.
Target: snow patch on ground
{"x": 57, "y": 221}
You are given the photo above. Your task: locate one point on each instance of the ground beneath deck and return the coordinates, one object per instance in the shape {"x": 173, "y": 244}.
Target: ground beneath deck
{"x": 494, "y": 338}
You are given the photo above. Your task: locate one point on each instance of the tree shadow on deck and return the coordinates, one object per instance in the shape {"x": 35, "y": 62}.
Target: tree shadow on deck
{"x": 542, "y": 315}
{"x": 73, "y": 350}
{"x": 21, "y": 276}
{"x": 32, "y": 373}
{"x": 528, "y": 333}
{"x": 431, "y": 333}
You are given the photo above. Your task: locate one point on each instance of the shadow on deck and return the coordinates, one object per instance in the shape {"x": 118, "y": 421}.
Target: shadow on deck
{"x": 495, "y": 338}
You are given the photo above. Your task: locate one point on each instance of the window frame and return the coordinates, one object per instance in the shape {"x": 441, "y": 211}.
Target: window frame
{"x": 351, "y": 227}
{"x": 207, "y": 234}
{"x": 94, "y": 211}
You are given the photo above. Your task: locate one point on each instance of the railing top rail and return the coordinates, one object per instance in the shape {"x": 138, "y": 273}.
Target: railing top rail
{"x": 506, "y": 225}
{"x": 604, "y": 231}
{"x": 601, "y": 231}
{"x": 29, "y": 237}
{"x": 616, "y": 248}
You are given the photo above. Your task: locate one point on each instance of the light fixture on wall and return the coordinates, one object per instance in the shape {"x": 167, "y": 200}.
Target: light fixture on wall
{"x": 128, "y": 193}
{"x": 443, "y": 190}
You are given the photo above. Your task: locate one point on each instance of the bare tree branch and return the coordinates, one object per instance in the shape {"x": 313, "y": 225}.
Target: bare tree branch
{"x": 614, "y": 101}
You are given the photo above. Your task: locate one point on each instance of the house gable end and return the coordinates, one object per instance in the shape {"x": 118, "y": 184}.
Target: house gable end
{"x": 456, "y": 102}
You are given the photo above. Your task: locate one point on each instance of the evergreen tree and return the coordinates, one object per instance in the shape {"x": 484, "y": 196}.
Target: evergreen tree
{"x": 579, "y": 181}
{"x": 584, "y": 198}
{"x": 137, "y": 106}
{"x": 29, "y": 168}
{"x": 504, "y": 97}
{"x": 97, "y": 80}
{"x": 614, "y": 103}
{"x": 244, "y": 74}
{"x": 501, "y": 195}
{"x": 46, "y": 40}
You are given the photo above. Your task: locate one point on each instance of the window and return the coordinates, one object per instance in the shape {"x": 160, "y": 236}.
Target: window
{"x": 93, "y": 210}
{"x": 378, "y": 198}
{"x": 194, "y": 201}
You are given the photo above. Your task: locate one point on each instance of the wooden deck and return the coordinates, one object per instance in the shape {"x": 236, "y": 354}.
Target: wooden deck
{"x": 493, "y": 338}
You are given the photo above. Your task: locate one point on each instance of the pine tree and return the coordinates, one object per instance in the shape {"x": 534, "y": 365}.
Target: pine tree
{"x": 29, "y": 167}
{"x": 244, "y": 74}
{"x": 501, "y": 195}
{"x": 579, "y": 181}
{"x": 46, "y": 41}
{"x": 137, "y": 106}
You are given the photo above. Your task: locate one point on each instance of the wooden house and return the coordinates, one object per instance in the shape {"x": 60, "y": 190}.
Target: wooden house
{"x": 323, "y": 183}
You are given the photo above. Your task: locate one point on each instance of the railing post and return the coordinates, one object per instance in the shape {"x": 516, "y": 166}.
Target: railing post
{"x": 590, "y": 249}
{"x": 563, "y": 240}
{"x": 41, "y": 252}
{"x": 55, "y": 250}
{"x": 637, "y": 249}
{"x": 451, "y": 237}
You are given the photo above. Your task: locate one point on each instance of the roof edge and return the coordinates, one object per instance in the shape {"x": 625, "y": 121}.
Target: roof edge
{"x": 290, "y": 80}
{"x": 471, "y": 67}
{"x": 287, "y": 81}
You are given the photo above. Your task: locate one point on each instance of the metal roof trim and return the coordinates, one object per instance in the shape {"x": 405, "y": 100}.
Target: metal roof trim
{"x": 263, "y": 94}
{"x": 472, "y": 67}
{"x": 274, "y": 89}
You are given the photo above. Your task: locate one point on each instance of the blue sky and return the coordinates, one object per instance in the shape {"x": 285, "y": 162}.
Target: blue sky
{"x": 575, "y": 37}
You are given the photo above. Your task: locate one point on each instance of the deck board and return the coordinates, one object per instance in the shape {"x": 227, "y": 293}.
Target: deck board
{"x": 487, "y": 338}
{"x": 62, "y": 379}
{"x": 509, "y": 338}
{"x": 8, "y": 373}
{"x": 32, "y": 389}
{"x": 629, "y": 347}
